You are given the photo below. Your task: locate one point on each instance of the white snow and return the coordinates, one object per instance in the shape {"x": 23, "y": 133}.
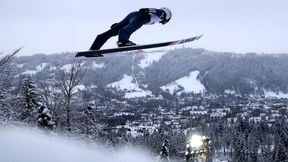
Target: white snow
{"x": 124, "y": 84}
{"x": 96, "y": 66}
{"x": 29, "y": 72}
{"x": 20, "y": 65}
{"x": 229, "y": 91}
{"x": 130, "y": 88}
{"x": 190, "y": 83}
{"x": 136, "y": 94}
{"x": 67, "y": 67}
{"x": 270, "y": 94}
{"x": 22, "y": 145}
{"x": 79, "y": 87}
{"x": 52, "y": 68}
{"x": 150, "y": 58}
{"x": 41, "y": 66}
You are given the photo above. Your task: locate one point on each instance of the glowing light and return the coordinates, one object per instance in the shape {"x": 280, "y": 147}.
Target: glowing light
{"x": 196, "y": 141}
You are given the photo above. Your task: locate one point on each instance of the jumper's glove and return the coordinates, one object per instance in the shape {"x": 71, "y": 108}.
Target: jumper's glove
{"x": 113, "y": 25}
{"x": 144, "y": 11}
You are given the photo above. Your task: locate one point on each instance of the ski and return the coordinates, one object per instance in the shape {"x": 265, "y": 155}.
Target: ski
{"x": 99, "y": 53}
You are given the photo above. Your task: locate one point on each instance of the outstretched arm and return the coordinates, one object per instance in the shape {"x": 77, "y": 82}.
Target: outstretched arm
{"x": 147, "y": 10}
{"x": 160, "y": 13}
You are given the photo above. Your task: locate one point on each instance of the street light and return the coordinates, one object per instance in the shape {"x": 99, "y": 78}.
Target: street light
{"x": 197, "y": 147}
{"x": 196, "y": 141}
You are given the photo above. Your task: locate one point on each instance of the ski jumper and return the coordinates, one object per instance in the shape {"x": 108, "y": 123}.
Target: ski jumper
{"x": 129, "y": 25}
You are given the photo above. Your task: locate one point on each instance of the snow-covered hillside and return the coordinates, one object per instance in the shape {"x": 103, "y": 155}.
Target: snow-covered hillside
{"x": 39, "y": 68}
{"x": 150, "y": 58}
{"x": 225, "y": 72}
{"x": 130, "y": 87}
{"x": 269, "y": 94}
{"x": 21, "y": 145}
{"x": 190, "y": 83}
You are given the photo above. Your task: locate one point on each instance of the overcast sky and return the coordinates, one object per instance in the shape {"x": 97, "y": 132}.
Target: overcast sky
{"x": 53, "y": 26}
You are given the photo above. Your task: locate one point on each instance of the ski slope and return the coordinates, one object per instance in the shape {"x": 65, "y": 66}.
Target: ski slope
{"x": 189, "y": 83}
{"x": 150, "y": 58}
{"x": 130, "y": 87}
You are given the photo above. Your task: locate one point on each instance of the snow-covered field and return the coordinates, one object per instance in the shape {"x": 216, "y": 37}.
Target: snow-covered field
{"x": 131, "y": 88}
{"x": 190, "y": 83}
{"x": 32, "y": 72}
{"x": 21, "y": 145}
{"x": 97, "y": 66}
{"x": 269, "y": 94}
{"x": 129, "y": 85}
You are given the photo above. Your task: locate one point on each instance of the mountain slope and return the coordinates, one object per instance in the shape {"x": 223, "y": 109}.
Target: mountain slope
{"x": 155, "y": 72}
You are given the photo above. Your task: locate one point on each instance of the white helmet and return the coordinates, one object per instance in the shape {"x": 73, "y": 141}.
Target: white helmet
{"x": 167, "y": 12}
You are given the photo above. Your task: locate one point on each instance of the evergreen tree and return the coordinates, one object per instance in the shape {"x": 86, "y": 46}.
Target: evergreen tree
{"x": 29, "y": 100}
{"x": 164, "y": 152}
{"x": 253, "y": 144}
{"x": 45, "y": 118}
{"x": 240, "y": 137}
{"x": 281, "y": 140}
{"x": 263, "y": 136}
{"x": 90, "y": 128}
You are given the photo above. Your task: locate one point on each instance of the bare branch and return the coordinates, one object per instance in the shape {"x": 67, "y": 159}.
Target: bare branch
{"x": 67, "y": 82}
{"x": 4, "y": 61}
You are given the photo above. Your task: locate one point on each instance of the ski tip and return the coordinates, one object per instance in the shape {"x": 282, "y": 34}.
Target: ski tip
{"x": 198, "y": 37}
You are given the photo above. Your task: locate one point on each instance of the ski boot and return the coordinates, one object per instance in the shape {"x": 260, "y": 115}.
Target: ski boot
{"x": 129, "y": 43}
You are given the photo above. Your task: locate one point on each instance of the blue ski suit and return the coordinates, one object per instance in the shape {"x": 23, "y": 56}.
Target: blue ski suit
{"x": 127, "y": 26}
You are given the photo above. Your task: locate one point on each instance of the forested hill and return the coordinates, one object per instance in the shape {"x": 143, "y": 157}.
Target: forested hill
{"x": 216, "y": 72}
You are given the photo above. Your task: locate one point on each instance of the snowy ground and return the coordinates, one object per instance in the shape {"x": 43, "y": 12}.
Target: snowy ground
{"x": 21, "y": 145}
{"x": 269, "y": 94}
{"x": 190, "y": 83}
{"x": 131, "y": 88}
{"x": 150, "y": 58}
{"x": 129, "y": 85}
{"x": 32, "y": 72}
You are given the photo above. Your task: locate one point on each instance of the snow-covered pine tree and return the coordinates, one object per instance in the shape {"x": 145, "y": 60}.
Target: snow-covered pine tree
{"x": 53, "y": 99}
{"x": 281, "y": 140}
{"x": 90, "y": 127}
{"x": 253, "y": 143}
{"x": 241, "y": 131}
{"x": 29, "y": 100}
{"x": 265, "y": 140}
{"x": 45, "y": 118}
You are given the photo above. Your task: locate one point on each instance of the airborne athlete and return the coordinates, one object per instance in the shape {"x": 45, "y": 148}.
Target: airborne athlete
{"x": 131, "y": 23}
{"x": 126, "y": 27}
